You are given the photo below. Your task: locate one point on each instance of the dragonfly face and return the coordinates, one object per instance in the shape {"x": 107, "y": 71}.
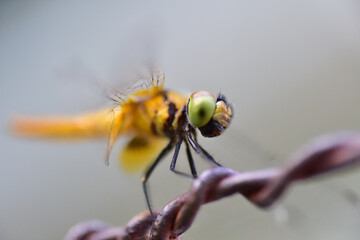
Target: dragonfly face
{"x": 209, "y": 114}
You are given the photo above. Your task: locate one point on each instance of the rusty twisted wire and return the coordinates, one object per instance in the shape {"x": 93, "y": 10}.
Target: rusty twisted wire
{"x": 261, "y": 187}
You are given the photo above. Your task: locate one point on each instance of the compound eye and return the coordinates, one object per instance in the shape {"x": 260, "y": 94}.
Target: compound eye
{"x": 201, "y": 108}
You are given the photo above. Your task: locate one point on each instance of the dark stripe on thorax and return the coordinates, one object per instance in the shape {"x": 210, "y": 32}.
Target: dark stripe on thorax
{"x": 171, "y": 111}
{"x": 168, "y": 128}
{"x": 164, "y": 94}
{"x": 153, "y": 128}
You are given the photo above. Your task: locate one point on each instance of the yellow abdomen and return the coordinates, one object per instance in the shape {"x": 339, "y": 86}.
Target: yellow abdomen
{"x": 132, "y": 117}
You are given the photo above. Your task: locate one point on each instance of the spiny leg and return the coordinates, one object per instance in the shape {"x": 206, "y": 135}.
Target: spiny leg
{"x": 208, "y": 154}
{"x": 175, "y": 156}
{"x": 199, "y": 150}
{"x": 150, "y": 170}
{"x": 191, "y": 161}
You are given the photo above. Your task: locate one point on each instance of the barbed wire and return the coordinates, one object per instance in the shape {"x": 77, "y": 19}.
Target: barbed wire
{"x": 262, "y": 188}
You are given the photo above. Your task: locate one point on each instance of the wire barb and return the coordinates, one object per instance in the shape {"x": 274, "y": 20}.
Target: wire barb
{"x": 262, "y": 188}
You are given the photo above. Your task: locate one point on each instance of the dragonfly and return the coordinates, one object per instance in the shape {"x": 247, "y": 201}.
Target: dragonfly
{"x": 157, "y": 120}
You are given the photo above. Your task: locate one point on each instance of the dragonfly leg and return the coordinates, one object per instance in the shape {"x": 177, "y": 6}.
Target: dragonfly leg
{"x": 209, "y": 156}
{"x": 191, "y": 161}
{"x": 199, "y": 150}
{"x": 150, "y": 170}
{"x": 174, "y": 158}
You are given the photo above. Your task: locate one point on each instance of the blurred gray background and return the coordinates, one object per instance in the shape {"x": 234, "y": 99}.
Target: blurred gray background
{"x": 290, "y": 68}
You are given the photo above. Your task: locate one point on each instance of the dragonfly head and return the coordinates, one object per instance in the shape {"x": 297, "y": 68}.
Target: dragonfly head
{"x": 210, "y": 114}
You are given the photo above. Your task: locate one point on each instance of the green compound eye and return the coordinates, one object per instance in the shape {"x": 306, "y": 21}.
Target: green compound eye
{"x": 201, "y": 108}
